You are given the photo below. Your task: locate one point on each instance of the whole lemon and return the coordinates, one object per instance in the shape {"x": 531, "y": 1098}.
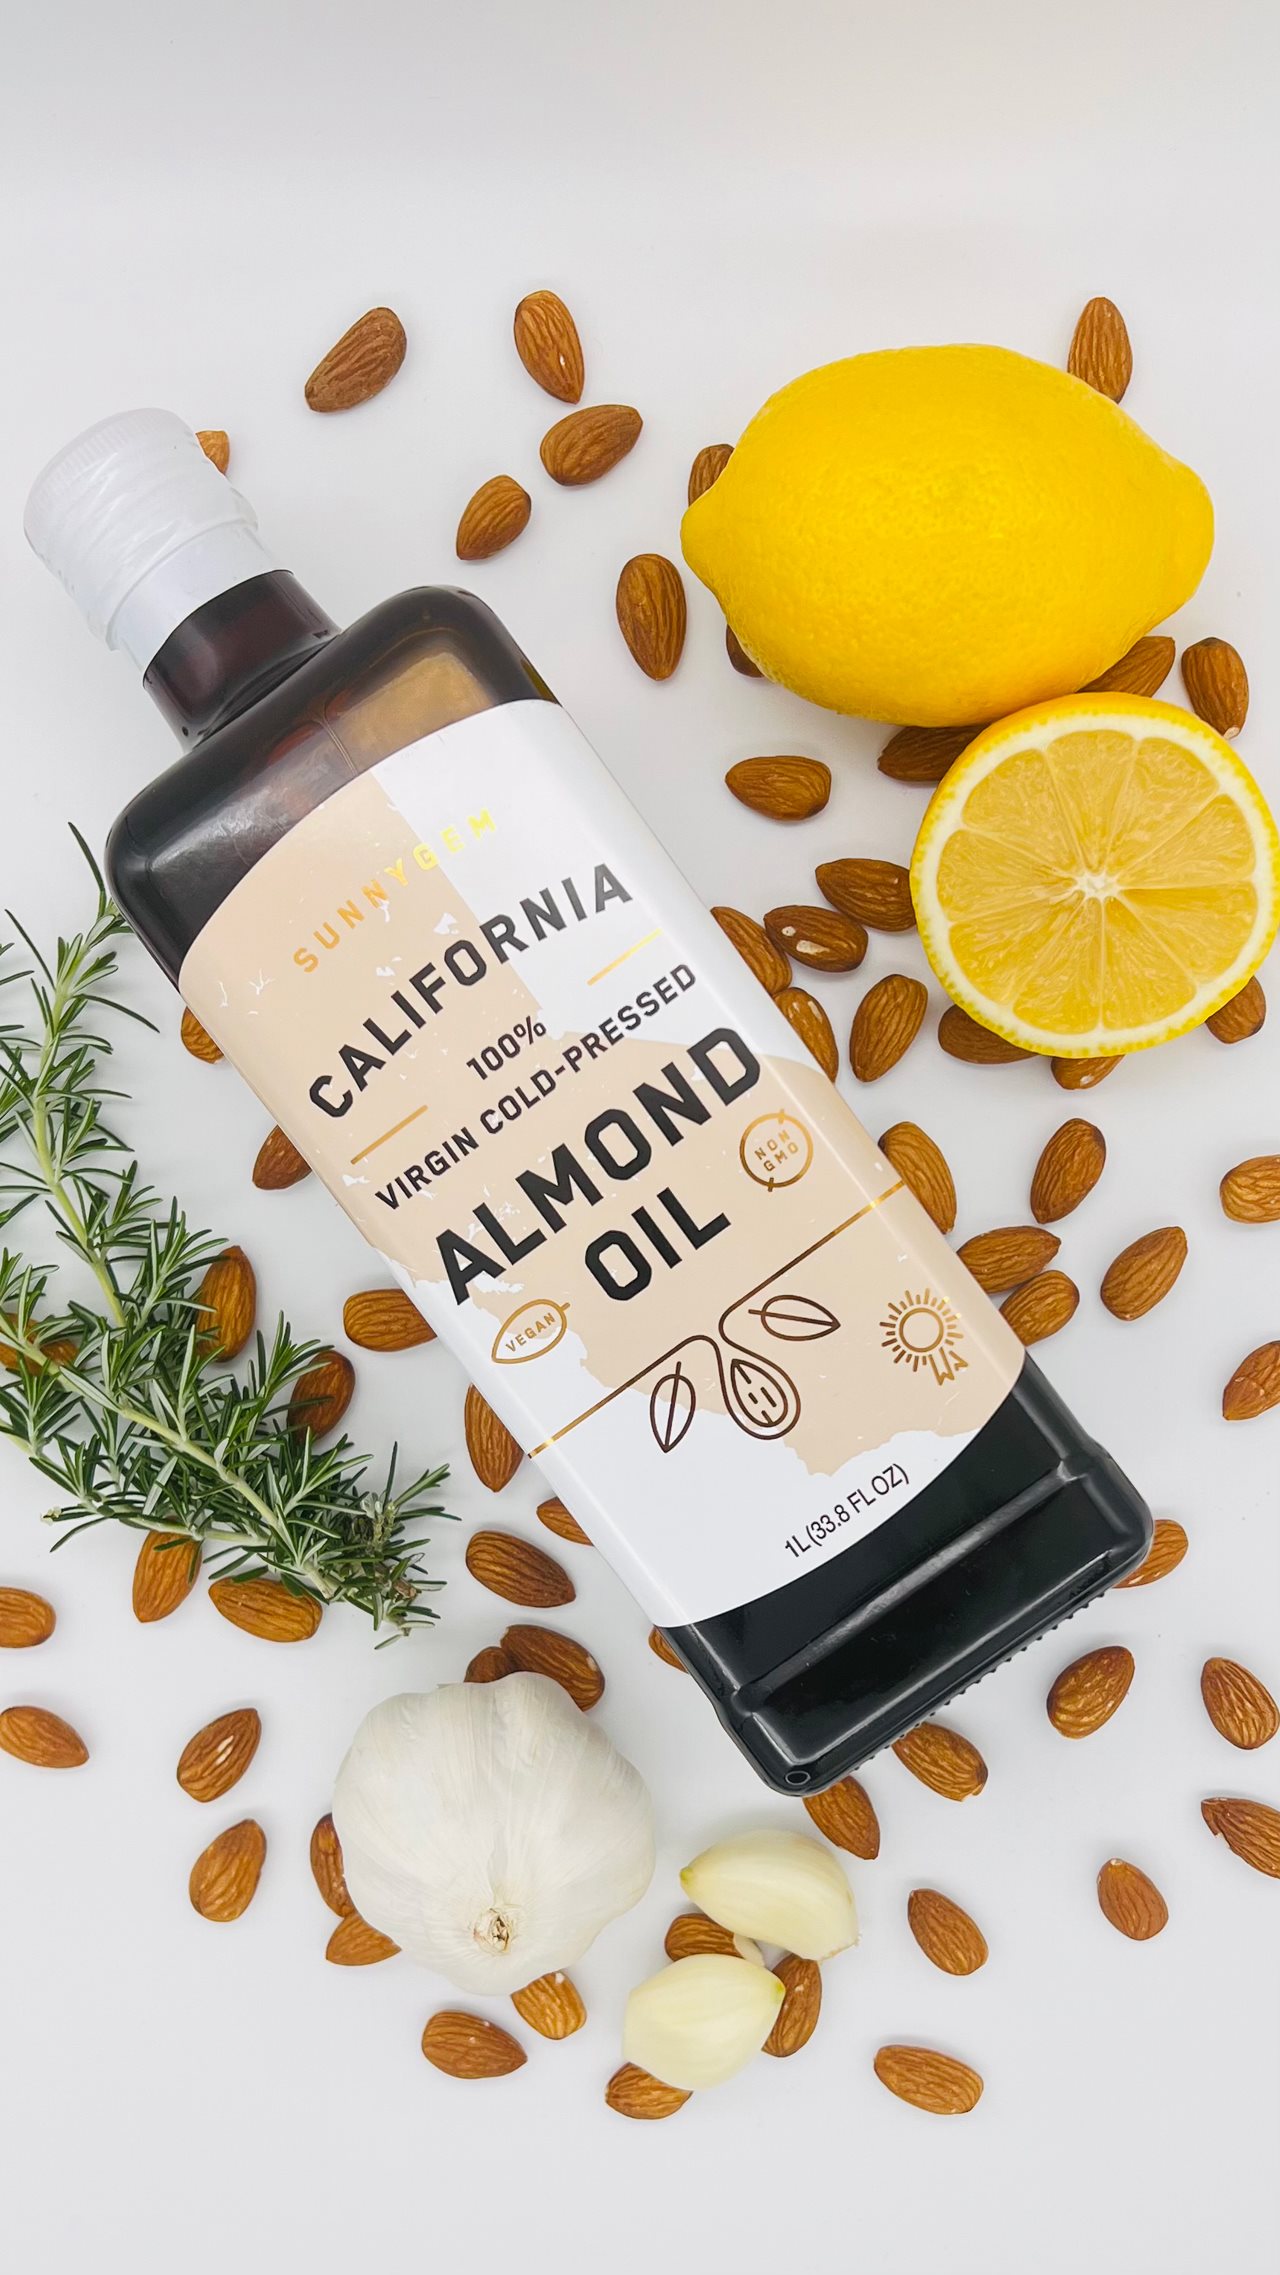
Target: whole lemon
{"x": 942, "y": 535}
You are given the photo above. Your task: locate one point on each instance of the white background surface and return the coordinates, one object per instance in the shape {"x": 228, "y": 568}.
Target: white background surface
{"x": 196, "y": 203}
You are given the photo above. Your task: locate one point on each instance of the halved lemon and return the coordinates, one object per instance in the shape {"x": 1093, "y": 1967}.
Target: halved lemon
{"x": 1096, "y": 874}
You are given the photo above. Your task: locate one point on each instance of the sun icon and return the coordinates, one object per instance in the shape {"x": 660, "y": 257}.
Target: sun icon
{"x": 923, "y": 1331}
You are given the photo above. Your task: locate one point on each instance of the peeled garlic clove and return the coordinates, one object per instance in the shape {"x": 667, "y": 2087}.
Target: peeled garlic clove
{"x": 700, "y": 2020}
{"x": 778, "y": 1887}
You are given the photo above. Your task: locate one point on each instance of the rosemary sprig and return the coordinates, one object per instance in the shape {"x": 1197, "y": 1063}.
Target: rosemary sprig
{"x": 119, "y": 1401}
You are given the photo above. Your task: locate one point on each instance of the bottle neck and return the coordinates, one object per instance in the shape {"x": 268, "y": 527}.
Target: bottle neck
{"x": 233, "y": 649}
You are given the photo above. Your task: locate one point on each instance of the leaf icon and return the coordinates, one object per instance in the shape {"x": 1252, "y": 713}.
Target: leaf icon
{"x": 672, "y": 1407}
{"x": 796, "y": 1318}
{"x": 763, "y": 1396}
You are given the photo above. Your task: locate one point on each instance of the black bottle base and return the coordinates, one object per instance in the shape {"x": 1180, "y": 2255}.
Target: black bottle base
{"x": 1027, "y": 1525}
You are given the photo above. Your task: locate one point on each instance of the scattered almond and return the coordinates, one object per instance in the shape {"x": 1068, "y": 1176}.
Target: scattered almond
{"x": 228, "y": 1294}
{"x": 216, "y": 445}
{"x": 167, "y": 1569}
{"x": 964, "y": 1038}
{"x": 924, "y": 754}
{"x": 219, "y": 1754}
{"x": 548, "y": 346}
{"x": 384, "y": 1319}
{"x": 782, "y": 789}
{"x": 886, "y": 1024}
{"x": 797, "y": 2017}
{"x": 326, "y": 1868}
{"x": 944, "y": 1761}
{"x": 1142, "y": 670}
{"x": 515, "y": 1569}
{"x": 749, "y": 669}
{"x": 922, "y": 1164}
{"x": 495, "y": 1456}
{"x": 1088, "y": 1692}
{"x": 1081, "y": 1074}
{"x": 1067, "y": 1171}
{"x": 1251, "y": 1830}
{"x": 845, "y": 1814}
{"x": 589, "y": 443}
{"x": 1168, "y": 1547}
{"x": 1144, "y": 1272}
{"x": 1240, "y": 1707}
{"x": 653, "y": 614}
{"x": 492, "y": 519}
{"x": 279, "y": 1163}
{"x": 266, "y": 1608}
{"x": 1242, "y": 1016}
{"x": 225, "y": 1876}
{"x": 820, "y": 937}
{"x": 59, "y": 1350}
{"x": 1250, "y": 1193}
{"x": 354, "y": 1943}
{"x": 945, "y": 1934}
{"x": 877, "y": 893}
{"x": 805, "y": 1015}
{"x": 633, "y": 2093}
{"x": 360, "y": 364}
{"x": 198, "y": 1040}
{"x": 554, "y": 1515}
{"x": 552, "y": 2006}
{"x": 466, "y": 2046}
{"x": 1217, "y": 684}
{"x": 490, "y": 1665}
{"x": 707, "y": 468}
{"x": 1254, "y": 1388}
{"x": 321, "y": 1396}
{"x": 1042, "y": 1307}
{"x": 936, "y": 2082}
{"x": 543, "y": 1651}
{"x": 1131, "y": 1902}
{"x": 692, "y": 1935}
{"x": 755, "y": 947}
{"x": 661, "y": 1649}
{"x": 1008, "y": 1256}
{"x": 1100, "y": 353}
{"x": 34, "y": 1734}
{"x": 25, "y": 1619}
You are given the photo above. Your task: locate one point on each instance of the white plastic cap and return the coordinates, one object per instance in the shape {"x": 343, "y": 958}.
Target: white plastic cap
{"x": 141, "y": 528}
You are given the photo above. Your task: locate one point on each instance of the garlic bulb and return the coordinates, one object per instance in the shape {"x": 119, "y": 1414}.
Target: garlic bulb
{"x": 700, "y": 2020}
{"x": 778, "y": 1887}
{"x": 491, "y": 1829}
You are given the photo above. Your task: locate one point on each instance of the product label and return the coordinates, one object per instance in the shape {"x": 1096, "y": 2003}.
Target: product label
{"x": 486, "y": 1006}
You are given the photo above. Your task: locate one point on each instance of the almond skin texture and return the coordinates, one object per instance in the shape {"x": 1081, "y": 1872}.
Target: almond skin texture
{"x": 1010, "y": 1255}
{"x": 692, "y": 1934}
{"x": 552, "y": 2006}
{"x": 228, "y": 1294}
{"x": 633, "y": 2093}
{"x": 1142, "y": 670}
{"x": 1087, "y": 1693}
{"x": 945, "y": 1934}
{"x": 1254, "y": 1388}
{"x": 964, "y": 1038}
{"x": 216, "y": 445}
{"x": 936, "y": 2082}
{"x": 805, "y": 1015}
{"x": 845, "y": 1814}
{"x": 225, "y": 1876}
{"x": 755, "y": 947}
{"x": 653, "y": 615}
{"x": 354, "y": 1943}
{"x": 707, "y": 468}
{"x": 1100, "y": 353}
{"x": 321, "y": 1396}
{"x": 490, "y": 1665}
{"x": 1144, "y": 1272}
{"x": 1242, "y": 1017}
{"x": 326, "y": 1868}
{"x": 589, "y": 443}
{"x": 492, "y": 518}
{"x": 924, "y": 754}
{"x": 1168, "y": 1547}
{"x": 820, "y": 937}
{"x": 495, "y": 1456}
{"x": 554, "y": 1515}
{"x": 1250, "y": 1193}
{"x": 1067, "y": 1171}
{"x": 360, "y": 364}
{"x": 167, "y": 1569}
{"x": 1251, "y": 1830}
{"x": 1041, "y": 1307}
{"x": 1217, "y": 684}
{"x": 25, "y": 1619}
{"x": 384, "y": 1319}
{"x": 266, "y": 1608}
{"x": 548, "y": 346}
{"x": 944, "y": 1761}
{"x": 782, "y": 789}
{"x": 466, "y": 2046}
{"x": 661, "y": 1649}
{"x": 749, "y": 669}
{"x": 32, "y": 1734}
{"x": 798, "y": 2014}
{"x": 923, "y": 1166}
{"x": 198, "y": 1040}
{"x": 1131, "y": 1902}
{"x": 279, "y": 1163}
{"x": 519, "y": 1572}
{"x": 543, "y": 1651}
{"x": 218, "y": 1756}
{"x": 1240, "y": 1707}
{"x": 1081, "y": 1074}
{"x": 886, "y": 1024}
{"x": 877, "y": 893}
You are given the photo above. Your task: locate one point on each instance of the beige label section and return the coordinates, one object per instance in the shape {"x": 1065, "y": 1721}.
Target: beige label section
{"x": 488, "y": 1009}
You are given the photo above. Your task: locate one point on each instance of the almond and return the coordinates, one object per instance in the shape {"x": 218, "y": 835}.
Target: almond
{"x": 633, "y": 2093}
{"x": 548, "y": 346}
{"x": 797, "y": 2017}
{"x": 944, "y": 1761}
{"x": 542, "y": 1651}
{"x": 877, "y": 893}
{"x": 1250, "y": 1193}
{"x": 588, "y": 443}
{"x": 783, "y": 789}
{"x": 216, "y": 445}
{"x": 845, "y": 1814}
{"x": 1100, "y": 353}
{"x": 964, "y": 1038}
{"x": 360, "y": 364}
{"x": 1251, "y": 1830}
{"x": 653, "y": 615}
{"x": 225, "y": 1876}
{"x": 167, "y": 1569}
{"x": 198, "y": 1041}
{"x": 1067, "y": 1171}
{"x": 466, "y": 2046}
{"x": 1240, "y": 1707}
{"x": 1008, "y": 1256}
{"x": 1168, "y": 1547}
{"x": 1241, "y": 1016}
{"x": 1142, "y": 670}
{"x": 218, "y": 1756}
{"x": 945, "y": 1934}
{"x": 886, "y": 1024}
{"x": 661, "y": 1649}
{"x": 749, "y": 669}
{"x": 1254, "y": 1388}
{"x": 554, "y": 1515}
{"x": 1217, "y": 684}
{"x": 552, "y": 2006}
{"x": 320, "y": 1397}
{"x": 266, "y": 1608}
{"x": 922, "y": 1165}
{"x": 692, "y": 1935}
{"x": 495, "y": 1456}
{"x": 755, "y": 948}
{"x": 326, "y": 1868}
{"x": 25, "y": 1619}
{"x": 489, "y": 1665}
{"x": 1131, "y": 1902}
{"x": 805, "y": 1015}
{"x": 60, "y": 1350}
{"x": 820, "y": 937}
{"x": 515, "y": 1569}
{"x": 279, "y": 1163}
{"x": 936, "y": 2082}
{"x": 228, "y": 1294}
{"x": 384, "y": 1319}
{"x": 1081, "y": 1074}
{"x": 354, "y": 1943}
{"x": 1041, "y": 1307}
{"x": 707, "y": 468}
{"x": 34, "y": 1734}
{"x": 1088, "y": 1692}
{"x": 1144, "y": 1272}
{"x": 924, "y": 754}
{"x": 492, "y": 519}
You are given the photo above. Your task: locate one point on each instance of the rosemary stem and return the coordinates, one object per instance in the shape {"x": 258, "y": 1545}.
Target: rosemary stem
{"x": 42, "y": 1147}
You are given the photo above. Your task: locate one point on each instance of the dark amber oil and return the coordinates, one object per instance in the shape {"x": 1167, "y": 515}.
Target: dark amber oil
{"x": 280, "y": 709}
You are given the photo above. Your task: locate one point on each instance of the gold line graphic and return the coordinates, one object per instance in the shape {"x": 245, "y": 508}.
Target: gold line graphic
{"x": 632, "y": 951}
{"x": 394, "y": 1131}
